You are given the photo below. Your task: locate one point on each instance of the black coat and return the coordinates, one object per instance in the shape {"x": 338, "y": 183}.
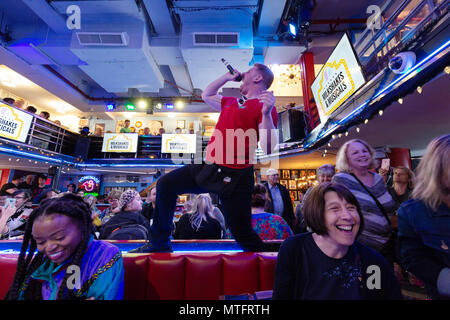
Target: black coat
{"x": 288, "y": 211}
{"x": 123, "y": 218}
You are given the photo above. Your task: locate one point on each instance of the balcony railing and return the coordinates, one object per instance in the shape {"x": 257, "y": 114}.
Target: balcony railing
{"x": 400, "y": 21}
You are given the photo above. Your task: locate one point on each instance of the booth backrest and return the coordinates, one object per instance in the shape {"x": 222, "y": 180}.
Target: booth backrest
{"x": 179, "y": 276}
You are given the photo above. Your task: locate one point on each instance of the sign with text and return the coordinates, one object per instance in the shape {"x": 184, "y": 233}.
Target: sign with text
{"x": 178, "y": 143}
{"x": 338, "y": 79}
{"x": 14, "y": 123}
{"x": 120, "y": 142}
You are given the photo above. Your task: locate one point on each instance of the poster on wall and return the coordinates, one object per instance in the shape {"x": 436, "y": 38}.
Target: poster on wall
{"x": 14, "y": 123}
{"x": 120, "y": 142}
{"x": 178, "y": 143}
{"x": 339, "y": 78}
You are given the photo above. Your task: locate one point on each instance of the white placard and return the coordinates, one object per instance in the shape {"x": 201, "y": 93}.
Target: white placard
{"x": 120, "y": 142}
{"x": 178, "y": 143}
{"x": 14, "y": 123}
{"x": 339, "y": 78}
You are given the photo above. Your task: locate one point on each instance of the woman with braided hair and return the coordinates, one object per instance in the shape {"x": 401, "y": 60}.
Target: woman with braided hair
{"x": 69, "y": 263}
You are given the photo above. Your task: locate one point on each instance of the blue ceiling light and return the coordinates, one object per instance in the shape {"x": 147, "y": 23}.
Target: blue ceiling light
{"x": 110, "y": 107}
{"x": 169, "y": 105}
{"x": 292, "y": 29}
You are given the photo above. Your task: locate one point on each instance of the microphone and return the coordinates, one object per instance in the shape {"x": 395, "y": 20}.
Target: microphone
{"x": 230, "y": 68}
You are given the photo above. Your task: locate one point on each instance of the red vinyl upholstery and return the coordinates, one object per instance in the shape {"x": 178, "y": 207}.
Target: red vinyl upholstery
{"x": 179, "y": 276}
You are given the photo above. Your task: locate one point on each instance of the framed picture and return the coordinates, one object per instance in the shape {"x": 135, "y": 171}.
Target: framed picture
{"x": 293, "y": 195}
{"x": 292, "y": 184}
{"x": 286, "y": 174}
{"x": 181, "y": 124}
{"x": 294, "y": 174}
{"x": 284, "y": 183}
{"x": 299, "y": 184}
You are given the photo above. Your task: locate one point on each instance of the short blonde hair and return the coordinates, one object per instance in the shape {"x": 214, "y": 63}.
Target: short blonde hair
{"x": 431, "y": 172}
{"x": 341, "y": 159}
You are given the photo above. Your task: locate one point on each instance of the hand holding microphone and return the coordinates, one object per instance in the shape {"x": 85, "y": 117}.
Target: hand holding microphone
{"x": 232, "y": 71}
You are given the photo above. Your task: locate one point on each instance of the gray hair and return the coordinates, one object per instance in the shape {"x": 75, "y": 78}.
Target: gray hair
{"x": 326, "y": 169}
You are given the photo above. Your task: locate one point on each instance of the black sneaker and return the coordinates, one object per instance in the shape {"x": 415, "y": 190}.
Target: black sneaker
{"x": 148, "y": 248}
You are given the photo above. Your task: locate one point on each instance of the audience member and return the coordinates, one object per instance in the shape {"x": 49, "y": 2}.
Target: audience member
{"x": 9, "y": 101}
{"x": 61, "y": 230}
{"x": 324, "y": 174}
{"x": 19, "y": 103}
{"x": 127, "y": 128}
{"x": 129, "y": 223}
{"x": 403, "y": 184}
{"x": 29, "y": 183}
{"x": 113, "y": 200}
{"x": 199, "y": 223}
{"x": 57, "y": 122}
{"x": 279, "y": 200}
{"x": 354, "y": 160}
{"x": 424, "y": 221}
{"x": 327, "y": 263}
{"x": 45, "y": 115}
{"x": 162, "y": 131}
{"x": 31, "y": 109}
{"x": 269, "y": 226}
{"x": 178, "y": 130}
{"x": 95, "y": 213}
{"x": 149, "y": 206}
{"x": 6, "y": 211}
{"x": 71, "y": 188}
{"x": 16, "y": 222}
{"x": 147, "y": 131}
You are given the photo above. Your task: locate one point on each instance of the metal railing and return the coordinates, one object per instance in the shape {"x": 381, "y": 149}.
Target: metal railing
{"x": 401, "y": 20}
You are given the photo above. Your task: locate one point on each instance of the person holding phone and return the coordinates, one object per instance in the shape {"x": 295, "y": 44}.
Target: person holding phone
{"x": 21, "y": 201}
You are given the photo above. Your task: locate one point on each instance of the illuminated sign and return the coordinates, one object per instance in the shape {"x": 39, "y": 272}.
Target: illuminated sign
{"x": 178, "y": 143}
{"x": 89, "y": 184}
{"x": 120, "y": 142}
{"x": 338, "y": 79}
{"x": 14, "y": 123}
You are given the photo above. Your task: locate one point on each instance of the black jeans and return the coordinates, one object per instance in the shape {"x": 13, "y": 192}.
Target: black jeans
{"x": 237, "y": 207}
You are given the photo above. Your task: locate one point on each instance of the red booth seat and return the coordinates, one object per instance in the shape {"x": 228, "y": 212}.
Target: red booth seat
{"x": 179, "y": 276}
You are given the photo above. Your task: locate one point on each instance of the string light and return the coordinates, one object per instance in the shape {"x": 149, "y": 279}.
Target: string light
{"x": 380, "y": 112}
{"x": 346, "y": 133}
{"x": 447, "y": 69}
{"x": 400, "y": 100}
{"x": 357, "y": 130}
{"x": 329, "y": 144}
{"x": 365, "y": 121}
{"x": 340, "y": 135}
{"x": 333, "y": 136}
{"x": 419, "y": 89}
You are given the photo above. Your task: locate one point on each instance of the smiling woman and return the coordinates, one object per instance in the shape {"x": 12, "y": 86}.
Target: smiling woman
{"x": 327, "y": 263}
{"x": 61, "y": 230}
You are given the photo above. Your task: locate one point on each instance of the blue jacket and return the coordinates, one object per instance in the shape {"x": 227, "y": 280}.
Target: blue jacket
{"x": 424, "y": 239}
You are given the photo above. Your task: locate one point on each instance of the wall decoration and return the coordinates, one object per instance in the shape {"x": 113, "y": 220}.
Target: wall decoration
{"x": 286, "y": 174}
{"x": 138, "y": 124}
{"x": 293, "y": 195}
{"x": 181, "y": 124}
{"x": 284, "y": 183}
{"x": 292, "y": 184}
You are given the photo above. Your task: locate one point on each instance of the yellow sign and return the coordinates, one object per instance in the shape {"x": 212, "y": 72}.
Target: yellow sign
{"x": 120, "y": 142}
{"x": 14, "y": 123}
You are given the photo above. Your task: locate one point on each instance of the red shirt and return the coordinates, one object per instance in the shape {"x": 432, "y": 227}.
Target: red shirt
{"x": 235, "y": 137}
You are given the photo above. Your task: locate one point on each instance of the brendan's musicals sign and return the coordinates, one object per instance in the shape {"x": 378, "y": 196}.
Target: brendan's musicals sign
{"x": 120, "y": 142}
{"x": 14, "y": 123}
{"x": 339, "y": 78}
